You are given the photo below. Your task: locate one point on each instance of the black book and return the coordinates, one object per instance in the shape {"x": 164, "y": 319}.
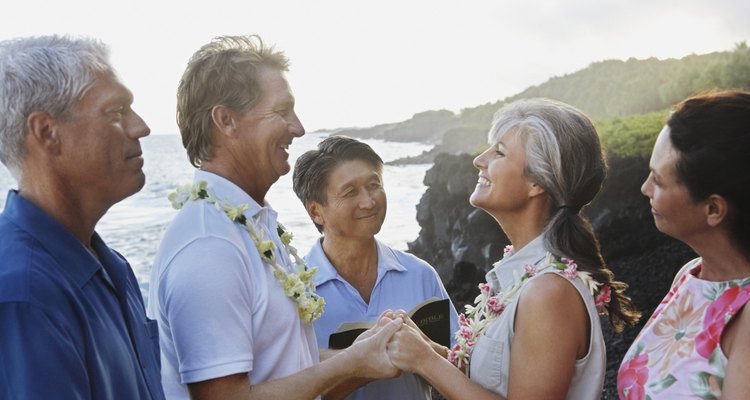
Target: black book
{"x": 432, "y": 316}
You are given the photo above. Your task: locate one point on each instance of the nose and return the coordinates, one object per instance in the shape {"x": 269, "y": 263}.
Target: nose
{"x": 367, "y": 201}
{"x": 295, "y": 126}
{"x": 138, "y": 127}
{"x": 646, "y": 187}
{"x": 479, "y": 161}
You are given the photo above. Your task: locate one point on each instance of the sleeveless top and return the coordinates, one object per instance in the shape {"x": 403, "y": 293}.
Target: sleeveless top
{"x": 678, "y": 352}
{"x": 489, "y": 364}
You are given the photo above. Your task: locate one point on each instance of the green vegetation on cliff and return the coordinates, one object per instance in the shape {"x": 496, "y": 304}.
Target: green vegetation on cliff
{"x": 629, "y": 101}
{"x": 631, "y": 136}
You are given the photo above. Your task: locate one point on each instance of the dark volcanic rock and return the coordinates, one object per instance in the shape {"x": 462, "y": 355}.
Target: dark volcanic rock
{"x": 462, "y": 242}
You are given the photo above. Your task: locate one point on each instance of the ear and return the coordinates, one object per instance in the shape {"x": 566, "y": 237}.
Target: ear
{"x": 716, "y": 209}
{"x": 43, "y": 132}
{"x": 313, "y": 210}
{"x": 223, "y": 119}
{"x": 536, "y": 190}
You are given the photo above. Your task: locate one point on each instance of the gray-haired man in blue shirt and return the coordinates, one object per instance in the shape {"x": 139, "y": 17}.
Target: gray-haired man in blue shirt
{"x": 72, "y": 322}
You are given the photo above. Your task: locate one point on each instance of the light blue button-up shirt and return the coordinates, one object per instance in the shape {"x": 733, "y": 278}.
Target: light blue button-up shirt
{"x": 403, "y": 282}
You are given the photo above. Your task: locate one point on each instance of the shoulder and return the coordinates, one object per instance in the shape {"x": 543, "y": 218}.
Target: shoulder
{"x": 551, "y": 308}
{"x": 203, "y": 268}
{"x": 408, "y": 261}
{"x": 29, "y": 272}
{"x": 17, "y": 245}
{"x": 550, "y": 293}
{"x": 199, "y": 219}
{"x": 413, "y": 269}
{"x": 316, "y": 255}
{"x": 686, "y": 269}
{"x": 203, "y": 257}
{"x": 199, "y": 235}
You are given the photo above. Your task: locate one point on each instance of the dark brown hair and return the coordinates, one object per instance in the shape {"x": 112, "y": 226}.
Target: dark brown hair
{"x": 312, "y": 169}
{"x": 711, "y": 133}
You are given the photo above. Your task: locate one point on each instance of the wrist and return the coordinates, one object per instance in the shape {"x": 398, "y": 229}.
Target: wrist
{"x": 441, "y": 350}
{"x": 350, "y": 361}
{"x": 429, "y": 358}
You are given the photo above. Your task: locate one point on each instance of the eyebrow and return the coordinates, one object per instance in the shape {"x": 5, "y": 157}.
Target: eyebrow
{"x": 351, "y": 183}
{"x": 125, "y": 97}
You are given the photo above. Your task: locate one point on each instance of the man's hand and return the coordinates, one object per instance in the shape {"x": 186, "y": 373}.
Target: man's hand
{"x": 369, "y": 349}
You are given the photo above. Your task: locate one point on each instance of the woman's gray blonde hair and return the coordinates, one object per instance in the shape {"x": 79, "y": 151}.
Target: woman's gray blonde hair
{"x": 564, "y": 156}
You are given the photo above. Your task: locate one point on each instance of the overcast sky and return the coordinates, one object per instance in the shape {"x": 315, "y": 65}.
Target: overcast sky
{"x": 357, "y": 63}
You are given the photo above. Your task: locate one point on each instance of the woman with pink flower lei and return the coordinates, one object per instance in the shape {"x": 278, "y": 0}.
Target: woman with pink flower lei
{"x": 696, "y": 345}
{"x": 534, "y": 332}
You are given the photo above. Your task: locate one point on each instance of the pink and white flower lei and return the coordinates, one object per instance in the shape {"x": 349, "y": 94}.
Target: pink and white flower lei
{"x": 488, "y": 307}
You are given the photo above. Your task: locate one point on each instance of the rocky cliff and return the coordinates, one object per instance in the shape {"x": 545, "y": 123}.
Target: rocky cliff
{"x": 462, "y": 242}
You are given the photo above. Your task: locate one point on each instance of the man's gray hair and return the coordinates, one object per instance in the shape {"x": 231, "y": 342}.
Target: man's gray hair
{"x": 47, "y": 74}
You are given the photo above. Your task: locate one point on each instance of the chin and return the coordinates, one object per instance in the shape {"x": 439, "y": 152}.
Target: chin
{"x": 475, "y": 200}
{"x": 135, "y": 186}
{"x": 283, "y": 170}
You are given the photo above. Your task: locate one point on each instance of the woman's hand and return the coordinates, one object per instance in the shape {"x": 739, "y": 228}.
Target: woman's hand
{"x": 409, "y": 349}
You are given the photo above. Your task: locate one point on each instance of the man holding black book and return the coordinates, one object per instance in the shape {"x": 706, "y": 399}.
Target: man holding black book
{"x": 341, "y": 186}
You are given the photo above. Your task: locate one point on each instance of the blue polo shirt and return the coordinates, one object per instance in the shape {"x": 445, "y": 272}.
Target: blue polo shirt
{"x": 403, "y": 282}
{"x": 68, "y": 330}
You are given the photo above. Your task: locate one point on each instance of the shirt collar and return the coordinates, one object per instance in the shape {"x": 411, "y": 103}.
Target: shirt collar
{"x": 69, "y": 252}
{"x": 326, "y": 271}
{"x": 506, "y": 271}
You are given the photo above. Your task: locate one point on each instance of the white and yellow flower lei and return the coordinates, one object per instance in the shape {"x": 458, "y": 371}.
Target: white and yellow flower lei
{"x": 297, "y": 286}
{"x": 487, "y": 308}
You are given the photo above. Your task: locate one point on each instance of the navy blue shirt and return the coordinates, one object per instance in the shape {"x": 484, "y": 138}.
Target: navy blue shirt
{"x": 68, "y": 330}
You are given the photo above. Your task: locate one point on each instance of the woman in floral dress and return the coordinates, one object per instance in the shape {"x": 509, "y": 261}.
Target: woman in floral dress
{"x": 534, "y": 332}
{"x": 696, "y": 345}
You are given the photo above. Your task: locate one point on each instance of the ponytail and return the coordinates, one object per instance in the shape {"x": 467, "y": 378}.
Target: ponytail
{"x": 569, "y": 234}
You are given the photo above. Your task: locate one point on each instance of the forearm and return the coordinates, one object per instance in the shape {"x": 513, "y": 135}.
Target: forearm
{"x": 306, "y": 384}
{"x": 309, "y": 383}
{"x": 346, "y": 387}
{"x": 366, "y": 358}
{"x": 451, "y": 382}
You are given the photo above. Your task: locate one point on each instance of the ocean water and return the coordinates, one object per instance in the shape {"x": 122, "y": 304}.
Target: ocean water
{"x": 134, "y": 226}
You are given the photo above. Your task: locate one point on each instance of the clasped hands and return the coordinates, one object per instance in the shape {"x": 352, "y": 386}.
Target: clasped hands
{"x": 395, "y": 344}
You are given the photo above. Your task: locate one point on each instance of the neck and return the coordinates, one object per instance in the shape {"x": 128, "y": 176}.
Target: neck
{"x": 721, "y": 259}
{"x": 244, "y": 179}
{"x": 522, "y": 228}
{"x": 76, "y": 210}
{"x": 355, "y": 260}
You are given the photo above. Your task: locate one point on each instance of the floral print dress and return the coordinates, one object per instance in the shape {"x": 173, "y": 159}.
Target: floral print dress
{"x": 678, "y": 355}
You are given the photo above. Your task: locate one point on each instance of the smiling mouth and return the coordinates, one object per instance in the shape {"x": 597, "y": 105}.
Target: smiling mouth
{"x": 482, "y": 181}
